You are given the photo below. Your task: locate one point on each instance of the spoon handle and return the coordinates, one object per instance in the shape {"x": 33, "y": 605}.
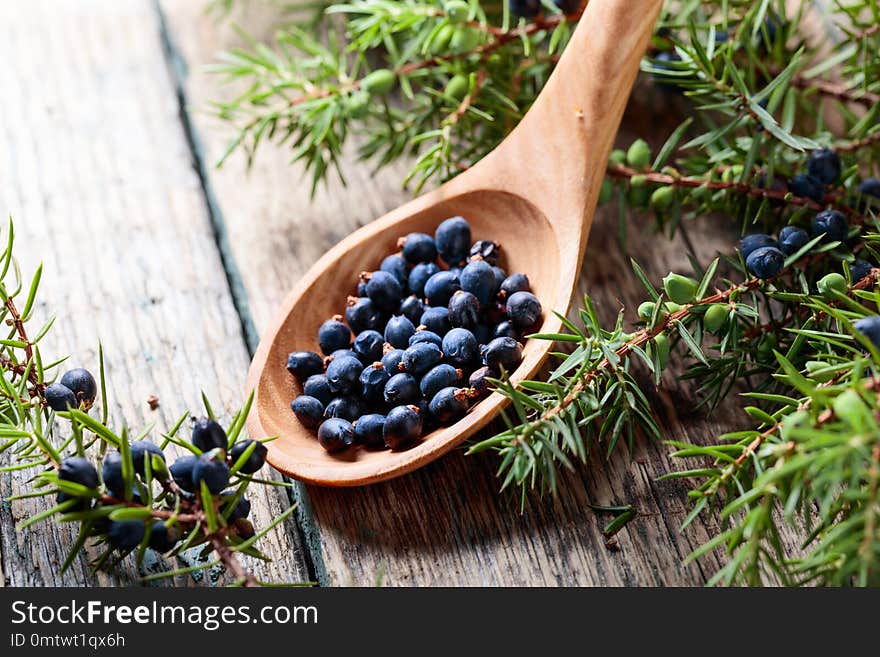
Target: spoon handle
{"x": 556, "y": 157}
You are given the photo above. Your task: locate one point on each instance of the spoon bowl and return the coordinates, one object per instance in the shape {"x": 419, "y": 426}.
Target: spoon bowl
{"x": 535, "y": 194}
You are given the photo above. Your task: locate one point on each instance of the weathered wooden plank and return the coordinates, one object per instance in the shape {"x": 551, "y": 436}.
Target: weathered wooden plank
{"x": 97, "y": 171}
{"x": 446, "y": 524}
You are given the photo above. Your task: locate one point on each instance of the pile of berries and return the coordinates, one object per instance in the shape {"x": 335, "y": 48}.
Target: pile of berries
{"x": 425, "y": 341}
{"x": 76, "y": 389}
{"x": 212, "y": 463}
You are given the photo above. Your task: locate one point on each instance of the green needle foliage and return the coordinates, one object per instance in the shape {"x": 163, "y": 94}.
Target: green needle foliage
{"x": 36, "y": 440}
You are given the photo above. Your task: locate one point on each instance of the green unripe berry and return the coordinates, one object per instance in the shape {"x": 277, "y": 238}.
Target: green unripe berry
{"x": 850, "y": 407}
{"x": 646, "y": 310}
{"x": 465, "y": 39}
{"x": 679, "y": 289}
{"x": 606, "y": 191}
{"x": 662, "y": 198}
{"x": 661, "y": 344}
{"x": 638, "y": 181}
{"x": 456, "y": 10}
{"x": 732, "y": 173}
{"x": 441, "y": 40}
{"x": 617, "y": 157}
{"x": 358, "y": 104}
{"x": 716, "y": 317}
{"x": 831, "y": 283}
{"x": 638, "y": 155}
{"x": 457, "y": 87}
{"x": 378, "y": 82}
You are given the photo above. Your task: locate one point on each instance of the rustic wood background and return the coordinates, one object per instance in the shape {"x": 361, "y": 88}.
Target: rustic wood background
{"x": 107, "y": 165}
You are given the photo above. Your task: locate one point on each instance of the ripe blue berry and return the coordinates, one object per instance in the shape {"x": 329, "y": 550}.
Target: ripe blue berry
{"x": 418, "y": 247}
{"x": 464, "y": 310}
{"x": 419, "y": 276}
{"x": 318, "y": 386}
{"x": 162, "y": 538}
{"x": 824, "y": 165}
{"x": 339, "y": 353}
{"x": 368, "y": 431}
{"x": 207, "y": 434}
{"x": 333, "y": 335}
{"x": 308, "y": 410}
{"x": 765, "y": 262}
{"x": 440, "y": 288}
{"x": 412, "y": 308}
{"x": 60, "y": 397}
{"x": 142, "y": 449}
{"x": 401, "y": 388}
{"x": 751, "y": 242}
{"x": 78, "y": 470}
{"x": 336, "y": 434}
{"x": 125, "y": 534}
{"x": 392, "y": 359}
{"x": 460, "y": 348}
{"x": 373, "y": 380}
{"x": 385, "y": 291}
{"x": 807, "y": 187}
{"x": 362, "y": 315}
{"x": 436, "y": 319}
{"x": 302, "y": 364}
{"x": 859, "y": 268}
{"x": 82, "y": 384}
{"x": 513, "y": 284}
{"x": 478, "y": 279}
{"x": 449, "y": 405}
{"x": 524, "y": 8}
{"x": 343, "y": 373}
{"x": 424, "y": 335}
{"x": 506, "y": 330}
{"x": 439, "y": 377}
{"x": 832, "y": 224}
{"x": 182, "y": 472}
{"x": 347, "y": 407}
{"x": 486, "y": 250}
{"x": 479, "y": 380}
{"x": 500, "y": 275}
{"x": 503, "y": 352}
{"x": 792, "y": 239}
{"x": 403, "y": 425}
{"x": 398, "y": 331}
{"x": 215, "y": 474}
{"x": 453, "y": 240}
{"x": 368, "y": 346}
{"x": 421, "y": 357}
{"x": 524, "y": 310}
{"x": 869, "y": 191}
{"x": 397, "y": 267}
{"x": 870, "y": 328}
{"x": 255, "y": 461}
{"x": 242, "y": 508}
{"x": 111, "y": 473}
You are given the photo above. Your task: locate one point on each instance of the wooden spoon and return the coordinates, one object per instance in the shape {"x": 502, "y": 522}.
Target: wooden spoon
{"x": 535, "y": 194}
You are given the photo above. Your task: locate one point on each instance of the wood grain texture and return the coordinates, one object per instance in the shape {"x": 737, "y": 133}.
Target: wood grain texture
{"x": 98, "y": 173}
{"x": 446, "y": 524}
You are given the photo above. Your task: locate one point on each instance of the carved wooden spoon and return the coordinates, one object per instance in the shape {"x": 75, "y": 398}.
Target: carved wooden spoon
{"x": 535, "y": 193}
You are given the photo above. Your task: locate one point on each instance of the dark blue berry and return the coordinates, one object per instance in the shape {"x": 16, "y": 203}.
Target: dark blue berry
{"x": 419, "y": 276}
{"x": 340, "y": 353}
{"x": 333, "y": 335}
{"x": 318, "y": 386}
{"x": 421, "y": 357}
{"x": 418, "y": 247}
{"x": 440, "y": 288}
{"x": 403, "y": 425}
{"x": 362, "y": 315}
{"x": 524, "y": 310}
{"x": 215, "y": 474}
{"x": 385, "y": 291}
{"x": 500, "y": 275}
{"x": 513, "y": 284}
{"x": 436, "y": 319}
{"x": 207, "y": 434}
{"x": 464, "y": 310}
{"x": 373, "y": 380}
{"x": 82, "y": 384}
{"x": 125, "y": 534}
{"x": 111, "y": 473}
{"x": 823, "y": 164}
{"x": 347, "y": 407}
{"x": 242, "y": 508}
{"x": 486, "y": 250}
{"x": 336, "y": 434}
{"x": 460, "y": 348}
{"x": 182, "y": 472}
{"x": 397, "y": 267}
{"x": 78, "y": 470}
{"x": 524, "y": 8}
{"x": 368, "y": 431}
{"x": 368, "y": 346}
{"x": 806, "y": 186}
{"x": 503, "y": 352}
{"x": 479, "y": 380}
{"x": 859, "y": 268}
{"x": 60, "y": 397}
{"x": 343, "y": 373}
{"x": 870, "y": 328}
{"x": 398, "y": 331}
{"x": 392, "y": 359}
{"x": 308, "y": 410}
{"x": 412, "y": 308}
{"x": 792, "y": 239}
{"x": 869, "y": 191}
{"x": 478, "y": 279}
{"x": 142, "y": 449}
{"x": 765, "y": 262}
{"x": 81, "y": 503}
{"x": 162, "y": 538}
{"x": 439, "y": 377}
{"x": 506, "y": 330}
{"x": 302, "y": 364}
{"x": 662, "y": 61}
{"x": 449, "y": 405}
{"x": 424, "y": 335}
{"x": 402, "y": 388}
{"x": 832, "y": 224}
{"x": 453, "y": 240}
{"x": 362, "y": 288}
{"x": 255, "y": 461}
{"x": 751, "y": 242}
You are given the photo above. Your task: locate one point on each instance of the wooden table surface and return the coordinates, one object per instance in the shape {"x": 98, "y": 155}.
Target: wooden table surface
{"x": 107, "y": 165}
